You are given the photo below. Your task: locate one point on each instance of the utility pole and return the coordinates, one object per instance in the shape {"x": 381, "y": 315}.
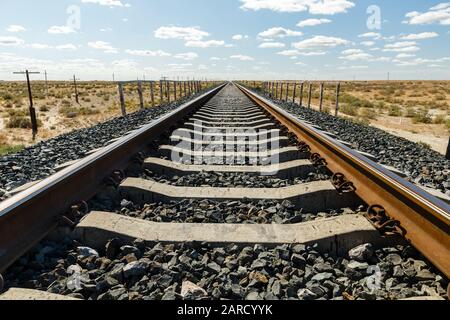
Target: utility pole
{"x": 75, "y": 88}
{"x": 30, "y": 96}
{"x": 338, "y": 89}
{"x": 447, "y": 155}
{"x": 114, "y": 79}
{"x": 46, "y": 85}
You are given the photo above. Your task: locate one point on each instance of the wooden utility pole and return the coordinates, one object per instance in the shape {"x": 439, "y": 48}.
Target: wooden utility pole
{"x": 281, "y": 91}
{"x": 338, "y": 89}
{"x": 152, "y": 92}
{"x": 321, "y": 97}
{"x": 161, "y": 97}
{"x": 309, "y": 95}
{"x": 33, "y": 118}
{"x": 294, "y": 94}
{"x": 122, "y": 100}
{"x": 75, "y": 88}
{"x": 175, "y": 90}
{"x": 287, "y": 92}
{"x": 141, "y": 96}
{"x": 301, "y": 93}
{"x": 167, "y": 87}
{"x": 46, "y": 84}
{"x": 447, "y": 155}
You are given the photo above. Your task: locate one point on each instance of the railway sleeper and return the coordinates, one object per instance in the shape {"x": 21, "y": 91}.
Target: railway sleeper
{"x": 313, "y": 196}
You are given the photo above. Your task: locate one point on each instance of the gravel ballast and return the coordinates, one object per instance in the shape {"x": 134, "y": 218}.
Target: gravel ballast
{"x": 208, "y": 211}
{"x": 235, "y": 180}
{"x": 422, "y": 165}
{"x": 141, "y": 271}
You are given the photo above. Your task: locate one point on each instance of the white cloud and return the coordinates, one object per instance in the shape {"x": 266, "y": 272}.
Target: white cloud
{"x": 215, "y": 59}
{"x": 313, "y": 6}
{"x": 368, "y": 43}
{"x": 319, "y": 42}
{"x": 204, "y": 44}
{"x": 403, "y": 46}
{"x": 61, "y": 30}
{"x": 239, "y": 37}
{"x": 300, "y": 63}
{"x": 11, "y": 41}
{"x": 405, "y": 55}
{"x": 352, "y": 51}
{"x": 109, "y": 3}
{"x": 357, "y": 56}
{"x": 108, "y": 29}
{"x": 68, "y": 46}
{"x": 312, "y": 22}
{"x": 147, "y": 53}
{"x": 312, "y": 53}
{"x": 242, "y": 57}
{"x": 289, "y": 53}
{"x": 39, "y": 46}
{"x": 15, "y": 28}
{"x": 269, "y": 45}
{"x": 184, "y": 33}
{"x": 374, "y": 35}
{"x": 439, "y": 14}
{"x": 352, "y": 67}
{"x": 279, "y": 32}
{"x": 186, "y": 56}
{"x": 125, "y": 63}
{"x": 420, "y": 36}
{"x": 102, "y": 45}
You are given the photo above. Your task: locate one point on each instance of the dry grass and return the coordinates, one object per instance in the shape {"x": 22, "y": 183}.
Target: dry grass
{"x": 58, "y": 111}
{"x": 417, "y": 110}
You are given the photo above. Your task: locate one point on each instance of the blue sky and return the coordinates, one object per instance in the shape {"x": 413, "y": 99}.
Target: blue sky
{"x": 226, "y": 39}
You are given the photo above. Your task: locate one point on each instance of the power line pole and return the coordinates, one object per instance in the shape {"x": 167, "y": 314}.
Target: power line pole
{"x": 75, "y": 88}
{"x": 114, "y": 77}
{"x": 46, "y": 85}
{"x": 30, "y": 96}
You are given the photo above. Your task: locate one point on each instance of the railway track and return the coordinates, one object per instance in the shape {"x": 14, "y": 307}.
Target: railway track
{"x": 230, "y": 197}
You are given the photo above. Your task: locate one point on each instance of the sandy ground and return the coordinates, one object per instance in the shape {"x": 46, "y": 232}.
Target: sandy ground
{"x": 436, "y": 143}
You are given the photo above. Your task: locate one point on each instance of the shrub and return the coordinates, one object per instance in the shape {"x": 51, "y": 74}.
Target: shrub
{"x": 440, "y": 119}
{"x": 422, "y": 116}
{"x": 21, "y": 122}
{"x": 7, "y": 96}
{"x": 368, "y": 114}
{"x": 7, "y": 149}
{"x": 410, "y": 113}
{"x": 394, "y": 111}
{"x": 349, "y": 110}
{"x": 44, "y": 109}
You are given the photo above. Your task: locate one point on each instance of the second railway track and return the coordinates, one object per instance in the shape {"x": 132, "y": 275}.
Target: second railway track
{"x": 226, "y": 197}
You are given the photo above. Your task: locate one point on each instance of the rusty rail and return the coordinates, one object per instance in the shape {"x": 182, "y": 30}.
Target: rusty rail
{"x": 29, "y": 216}
{"x": 425, "y": 218}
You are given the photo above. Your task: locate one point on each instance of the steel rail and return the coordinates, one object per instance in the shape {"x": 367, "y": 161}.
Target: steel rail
{"x": 425, "y": 218}
{"x": 29, "y": 216}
